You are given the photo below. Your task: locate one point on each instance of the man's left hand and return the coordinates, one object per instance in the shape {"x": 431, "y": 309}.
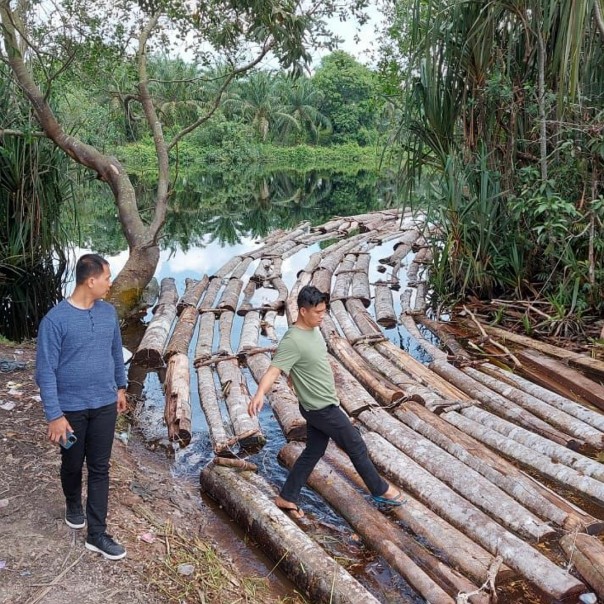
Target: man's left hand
{"x": 122, "y": 403}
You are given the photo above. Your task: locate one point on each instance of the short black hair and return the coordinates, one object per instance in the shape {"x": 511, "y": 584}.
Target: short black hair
{"x": 89, "y": 265}
{"x": 309, "y": 297}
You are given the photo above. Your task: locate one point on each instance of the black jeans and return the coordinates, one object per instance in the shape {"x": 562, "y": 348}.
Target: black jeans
{"x": 321, "y": 425}
{"x": 94, "y": 429}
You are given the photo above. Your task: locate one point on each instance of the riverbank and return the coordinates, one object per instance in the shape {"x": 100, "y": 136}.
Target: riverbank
{"x": 178, "y": 548}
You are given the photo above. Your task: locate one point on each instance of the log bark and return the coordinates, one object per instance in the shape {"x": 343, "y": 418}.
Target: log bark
{"x": 449, "y": 543}
{"x": 226, "y": 269}
{"x": 361, "y": 317}
{"x": 500, "y": 405}
{"x": 230, "y": 296}
{"x": 424, "y": 572}
{"x": 211, "y": 410}
{"x": 360, "y": 280}
{"x": 249, "y": 332}
{"x": 407, "y": 321}
{"x": 401, "y": 247}
{"x": 517, "y": 554}
{"x": 267, "y": 325}
{"x": 377, "y": 386}
{"x": 183, "y": 332}
{"x": 241, "y": 268}
{"x": 559, "y": 419}
{"x": 209, "y": 299}
{"x": 586, "y": 554}
{"x": 344, "y": 274}
{"x": 384, "y": 306}
{"x": 302, "y": 560}
{"x": 225, "y": 326}
{"x": 291, "y": 304}
{"x": 575, "y": 359}
{"x": 234, "y": 462}
{"x": 247, "y": 429}
{"x": 593, "y": 418}
{"x": 205, "y": 337}
{"x": 458, "y": 476}
{"x": 321, "y": 279}
{"x": 177, "y": 413}
{"x": 248, "y": 294}
{"x": 490, "y": 465}
{"x": 149, "y": 352}
{"x": 447, "y": 339}
{"x": 353, "y": 397}
{"x": 567, "y": 377}
{"x": 193, "y": 291}
{"x": 282, "y": 400}
{"x": 525, "y": 454}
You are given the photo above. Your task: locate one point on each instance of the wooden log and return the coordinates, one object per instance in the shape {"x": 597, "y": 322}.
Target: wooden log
{"x": 267, "y": 325}
{"x": 352, "y": 395}
{"x": 401, "y": 247}
{"x": 420, "y": 305}
{"x": 418, "y": 371}
{"x": 149, "y": 352}
{"x": 425, "y": 573}
{"x": 225, "y": 326}
{"x": 566, "y": 475}
{"x": 177, "y": 412}
{"x": 440, "y": 331}
{"x": 282, "y": 292}
{"x": 384, "y": 306}
{"x": 247, "y": 429}
{"x": 500, "y": 405}
{"x": 230, "y": 296}
{"x": 343, "y": 280}
{"x": 183, "y": 332}
{"x": 261, "y": 273}
{"x": 448, "y": 542}
{"x": 313, "y": 263}
{"x": 321, "y": 279}
{"x": 193, "y": 291}
{"x": 574, "y": 359}
{"x": 360, "y": 280}
{"x": 377, "y": 386}
{"x": 407, "y": 321}
{"x": 296, "y": 554}
{"x": 236, "y": 463}
{"x": 248, "y": 293}
{"x": 282, "y": 400}
{"x": 361, "y": 317}
{"x": 227, "y": 269}
{"x": 209, "y": 406}
{"x": 458, "y": 476}
{"x": 298, "y": 248}
{"x": 492, "y": 466}
{"x": 534, "y": 566}
{"x": 291, "y": 304}
{"x": 250, "y": 331}
{"x": 348, "y": 326}
{"x": 559, "y": 419}
{"x": 209, "y": 299}
{"x": 568, "y": 377}
{"x": 586, "y": 554}
{"x": 593, "y": 418}
{"x": 241, "y": 268}
{"x": 205, "y": 337}
{"x": 423, "y": 255}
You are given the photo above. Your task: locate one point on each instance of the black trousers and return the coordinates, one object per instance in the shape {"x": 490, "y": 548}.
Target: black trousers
{"x": 94, "y": 429}
{"x": 321, "y": 425}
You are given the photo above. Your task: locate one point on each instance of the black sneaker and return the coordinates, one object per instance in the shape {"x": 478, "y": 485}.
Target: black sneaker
{"x": 104, "y": 544}
{"x": 74, "y": 516}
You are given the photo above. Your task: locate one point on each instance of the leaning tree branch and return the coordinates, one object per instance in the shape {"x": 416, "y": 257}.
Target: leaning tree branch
{"x": 268, "y": 46}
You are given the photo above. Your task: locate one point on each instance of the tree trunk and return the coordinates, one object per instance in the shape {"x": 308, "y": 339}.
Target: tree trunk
{"x": 211, "y": 410}
{"x": 178, "y": 400}
{"x": 225, "y": 326}
{"x": 302, "y": 560}
{"x": 193, "y": 291}
{"x": 532, "y": 565}
{"x": 209, "y": 299}
{"x": 359, "y": 288}
{"x": 384, "y": 306}
{"x": 250, "y": 331}
{"x": 205, "y": 337}
{"x": 586, "y": 554}
{"x": 183, "y": 332}
{"x": 344, "y": 274}
{"x": 425, "y": 573}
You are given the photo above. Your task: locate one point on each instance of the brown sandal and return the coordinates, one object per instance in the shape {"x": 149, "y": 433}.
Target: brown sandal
{"x": 296, "y": 511}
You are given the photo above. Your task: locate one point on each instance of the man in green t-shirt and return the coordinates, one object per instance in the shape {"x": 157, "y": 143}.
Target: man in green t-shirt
{"x": 302, "y": 355}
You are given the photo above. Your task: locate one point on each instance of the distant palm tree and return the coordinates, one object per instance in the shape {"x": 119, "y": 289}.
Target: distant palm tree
{"x": 302, "y": 100}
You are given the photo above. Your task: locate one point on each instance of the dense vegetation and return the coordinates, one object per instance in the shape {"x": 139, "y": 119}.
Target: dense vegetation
{"x": 501, "y": 134}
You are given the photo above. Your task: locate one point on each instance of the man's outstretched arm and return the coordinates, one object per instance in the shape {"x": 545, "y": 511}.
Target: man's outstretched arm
{"x": 268, "y": 379}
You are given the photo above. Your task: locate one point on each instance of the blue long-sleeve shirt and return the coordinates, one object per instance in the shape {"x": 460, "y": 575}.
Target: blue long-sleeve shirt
{"x": 79, "y": 360}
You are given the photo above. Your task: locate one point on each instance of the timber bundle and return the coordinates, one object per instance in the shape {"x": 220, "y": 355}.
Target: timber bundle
{"x": 492, "y": 462}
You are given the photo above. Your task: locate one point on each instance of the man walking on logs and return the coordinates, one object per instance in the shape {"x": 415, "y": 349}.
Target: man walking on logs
{"x": 80, "y": 371}
{"x": 302, "y": 356}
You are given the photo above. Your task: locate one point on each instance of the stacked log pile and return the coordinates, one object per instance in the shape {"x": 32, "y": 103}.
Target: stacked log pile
{"x": 456, "y": 435}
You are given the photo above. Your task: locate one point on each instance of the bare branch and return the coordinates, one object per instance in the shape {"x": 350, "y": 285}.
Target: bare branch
{"x": 218, "y": 98}
{"x": 21, "y": 133}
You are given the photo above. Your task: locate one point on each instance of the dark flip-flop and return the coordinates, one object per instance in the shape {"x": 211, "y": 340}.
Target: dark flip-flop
{"x": 394, "y": 501}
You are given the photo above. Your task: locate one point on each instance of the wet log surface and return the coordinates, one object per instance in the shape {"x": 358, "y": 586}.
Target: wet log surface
{"x": 454, "y": 427}
{"x": 178, "y": 400}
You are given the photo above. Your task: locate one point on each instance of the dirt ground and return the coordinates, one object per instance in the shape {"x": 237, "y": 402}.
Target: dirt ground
{"x": 179, "y": 547}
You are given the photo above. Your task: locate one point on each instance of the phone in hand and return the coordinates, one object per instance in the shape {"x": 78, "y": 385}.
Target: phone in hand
{"x": 71, "y": 439}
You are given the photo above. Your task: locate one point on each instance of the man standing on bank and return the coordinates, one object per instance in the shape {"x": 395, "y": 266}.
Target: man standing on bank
{"x": 302, "y": 355}
{"x": 80, "y": 371}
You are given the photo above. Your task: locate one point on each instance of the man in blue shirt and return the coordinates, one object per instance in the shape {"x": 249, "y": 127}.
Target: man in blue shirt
{"x": 80, "y": 371}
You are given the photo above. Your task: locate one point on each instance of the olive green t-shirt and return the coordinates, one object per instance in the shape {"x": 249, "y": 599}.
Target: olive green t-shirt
{"x": 302, "y": 355}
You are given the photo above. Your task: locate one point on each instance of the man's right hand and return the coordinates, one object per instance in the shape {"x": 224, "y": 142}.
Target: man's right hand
{"x": 255, "y": 404}
{"x": 58, "y": 429}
